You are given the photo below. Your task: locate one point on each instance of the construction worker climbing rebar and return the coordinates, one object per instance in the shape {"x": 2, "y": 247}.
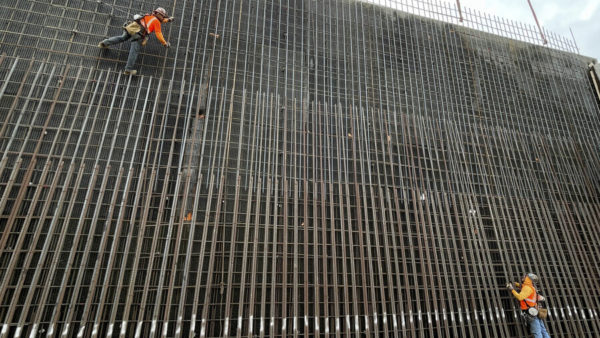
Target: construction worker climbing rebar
{"x": 531, "y": 312}
{"x": 137, "y": 32}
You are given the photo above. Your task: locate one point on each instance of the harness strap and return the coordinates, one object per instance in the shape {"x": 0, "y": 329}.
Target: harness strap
{"x": 146, "y": 24}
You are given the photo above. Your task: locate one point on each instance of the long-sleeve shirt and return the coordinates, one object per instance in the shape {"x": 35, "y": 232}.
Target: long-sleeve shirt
{"x": 152, "y": 24}
{"x": 527, "y": 293}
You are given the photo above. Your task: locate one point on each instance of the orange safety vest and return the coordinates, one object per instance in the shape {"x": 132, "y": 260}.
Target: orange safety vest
{"x": 152, "y": 24}
{"x": 148, "y": 22}
{"x": 530, "y": 301}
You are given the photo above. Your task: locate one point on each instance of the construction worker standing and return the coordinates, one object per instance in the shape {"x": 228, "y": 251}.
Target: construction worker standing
{"x": 529, "y": 298}
{"x": 137, "y": 32}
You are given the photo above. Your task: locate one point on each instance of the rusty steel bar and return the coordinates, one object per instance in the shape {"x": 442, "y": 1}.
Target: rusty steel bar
{"x": 254, "y": 259}
{"x": 171, "y": 223}
{"x": 334, "y": 168}
{"x": 50, "y": 194}
{"x": 243, "y": 277}
{"x": 136, "y": 265}
{"x": 9, "y": 75}
{"x": 32, "y": 162}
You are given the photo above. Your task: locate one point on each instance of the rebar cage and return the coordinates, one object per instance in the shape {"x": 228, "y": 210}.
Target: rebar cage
{"x": 293, "y": 168}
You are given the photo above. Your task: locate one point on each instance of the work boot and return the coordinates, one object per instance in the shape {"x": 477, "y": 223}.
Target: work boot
{"x": 102, "y": 45}
{"x": 130, "y": 72}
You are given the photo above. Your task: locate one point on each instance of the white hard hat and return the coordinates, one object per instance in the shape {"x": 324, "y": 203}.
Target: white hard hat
{"x": 534, "y": 278}
{"x": 161, "y": 11}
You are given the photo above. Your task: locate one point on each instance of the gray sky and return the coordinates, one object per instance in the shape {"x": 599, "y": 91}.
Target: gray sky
{"x": 582, "y": 16}
{"x": 556, "y": 16}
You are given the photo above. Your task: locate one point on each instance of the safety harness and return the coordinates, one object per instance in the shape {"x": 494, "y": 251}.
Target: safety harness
{"x": 146, "y": 24}
{"x": 532, "y": 311}
{"x": 139, "y": 25}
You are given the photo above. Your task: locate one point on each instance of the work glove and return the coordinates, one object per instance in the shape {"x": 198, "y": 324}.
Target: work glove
{"x": 171, "y": 19}
{"x": 167, "y": 45}
{"x": 510, "y": 286}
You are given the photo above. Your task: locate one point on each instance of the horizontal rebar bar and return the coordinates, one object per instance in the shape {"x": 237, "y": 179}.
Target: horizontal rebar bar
{"x": 293, "y": 168}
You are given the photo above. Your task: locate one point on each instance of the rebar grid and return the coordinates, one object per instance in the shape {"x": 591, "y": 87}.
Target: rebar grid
{"x": 359, "y": 172}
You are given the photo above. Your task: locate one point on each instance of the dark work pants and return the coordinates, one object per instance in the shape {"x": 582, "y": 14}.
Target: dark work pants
{"x": 134, "y": 50}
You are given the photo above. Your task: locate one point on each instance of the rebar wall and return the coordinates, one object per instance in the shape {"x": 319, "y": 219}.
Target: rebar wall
{"x": 361, "y": 171}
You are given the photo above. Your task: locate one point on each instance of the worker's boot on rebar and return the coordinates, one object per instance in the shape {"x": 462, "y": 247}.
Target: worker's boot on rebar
{"x": 102, "y": 45}
{"x": 130, "y": 72}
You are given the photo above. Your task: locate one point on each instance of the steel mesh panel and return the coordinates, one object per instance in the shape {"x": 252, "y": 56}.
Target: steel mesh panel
{"x": 359, "y": 170}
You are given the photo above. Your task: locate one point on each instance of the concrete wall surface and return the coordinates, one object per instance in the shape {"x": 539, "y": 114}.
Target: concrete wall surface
{"x": 292, "y": 168}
